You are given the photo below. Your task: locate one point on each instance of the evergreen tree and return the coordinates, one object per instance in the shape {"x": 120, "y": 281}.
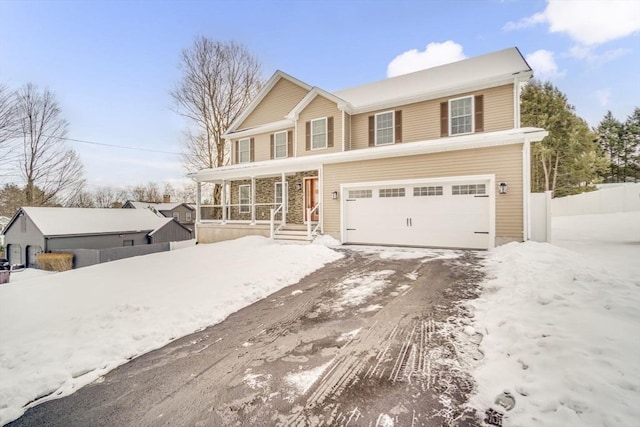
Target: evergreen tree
{"x": 567, "y": 160}
{"x": 610, "y": 132}
{"x": 631, "y": 146}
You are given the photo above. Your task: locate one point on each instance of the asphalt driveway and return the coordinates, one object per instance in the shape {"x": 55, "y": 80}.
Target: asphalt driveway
{"x": 364, "y": 341}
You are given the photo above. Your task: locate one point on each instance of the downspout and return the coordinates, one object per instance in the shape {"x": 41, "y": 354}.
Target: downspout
{"x": 343, "y": 143}
{"x": 198, "y": 214}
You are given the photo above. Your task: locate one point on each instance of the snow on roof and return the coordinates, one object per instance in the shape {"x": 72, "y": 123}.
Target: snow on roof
{"x": 62, "y": 221}
{"x": 156, "y": 206}
{"x": 437, "y": 80}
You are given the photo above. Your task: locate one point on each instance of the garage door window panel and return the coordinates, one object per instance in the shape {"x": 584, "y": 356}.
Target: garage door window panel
{"x": 467, "y": 189}
{"x": 427, "y": 191}
{"x": 391, "y": 192}
{"x": 360, "y": 194}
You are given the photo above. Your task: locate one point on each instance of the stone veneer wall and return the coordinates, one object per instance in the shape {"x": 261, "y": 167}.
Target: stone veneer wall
{"x": 265, "y": 193}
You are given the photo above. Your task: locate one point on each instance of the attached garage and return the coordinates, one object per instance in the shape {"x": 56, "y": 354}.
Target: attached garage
{"x": 452, "y": 212}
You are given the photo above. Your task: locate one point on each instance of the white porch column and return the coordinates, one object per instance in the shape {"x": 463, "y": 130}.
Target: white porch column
{"x": 253, "y": 200}
{"x": 198, "y": 201}
{"x": 223, "y": 201}
{"x": 285, "y": 199}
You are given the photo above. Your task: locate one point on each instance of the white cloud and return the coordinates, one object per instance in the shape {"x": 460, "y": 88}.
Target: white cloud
{"x": 604, "y": 97}
{"x": 544, "y": 65}
{"x": 588, "y": 22}
{"x": 589, "y": 55}
{"x": 434, "y": 54}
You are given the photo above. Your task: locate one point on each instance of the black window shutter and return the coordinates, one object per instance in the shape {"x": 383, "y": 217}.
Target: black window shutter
{"x": 372, "y": 131}
{"x": 478, "y": 105}
{"x": 398, "y": 125}
{"x": 444, "y": 118}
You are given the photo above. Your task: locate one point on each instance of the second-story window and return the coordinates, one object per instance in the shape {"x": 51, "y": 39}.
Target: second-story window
{"x": 280, "y": 145}
{"x": 318, "y": 133}
{"x": 461, "y": 115}
{"x": 384, "y": 128}
{"x": 244, "y": 150}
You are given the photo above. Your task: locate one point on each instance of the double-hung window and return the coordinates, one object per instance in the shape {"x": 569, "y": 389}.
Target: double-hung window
{"x": 461, "y": 111}
{"x": 280, "y": 145}
{"x": 244, "y": 150}
{"x": 245, "y": 198}
{"x": 384, "y": 128}
{"x": 319, "y": 133}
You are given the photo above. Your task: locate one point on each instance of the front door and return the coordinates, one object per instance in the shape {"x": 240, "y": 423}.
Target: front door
{"x": 311, "y": 197}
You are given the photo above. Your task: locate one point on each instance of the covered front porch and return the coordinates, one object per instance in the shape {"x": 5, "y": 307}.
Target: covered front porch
{"x": 285, "y": 205}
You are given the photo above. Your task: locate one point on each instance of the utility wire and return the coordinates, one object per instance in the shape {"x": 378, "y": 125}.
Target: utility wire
{"x": 113, "y": 145}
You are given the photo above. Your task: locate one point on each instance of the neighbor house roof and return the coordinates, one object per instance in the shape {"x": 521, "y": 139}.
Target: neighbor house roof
{"x": 156, "y": 206}
{"x": 75, "y": 221}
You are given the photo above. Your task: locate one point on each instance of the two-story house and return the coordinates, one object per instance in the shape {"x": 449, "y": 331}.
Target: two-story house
{"x": 432, "y": 158}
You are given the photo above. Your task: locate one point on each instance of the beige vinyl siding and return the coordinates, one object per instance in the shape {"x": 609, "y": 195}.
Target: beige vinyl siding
{"x": 347, "y": 131}
{"x": 504, "y": 161}
{"x": 421, "y": 120}
{"x": 276, "y": 105}
{"x": 318, "y": 108}
{"x": 262, "y": 146}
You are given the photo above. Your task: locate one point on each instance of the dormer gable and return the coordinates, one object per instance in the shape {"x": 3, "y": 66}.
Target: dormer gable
{"x": 279, "y": 95}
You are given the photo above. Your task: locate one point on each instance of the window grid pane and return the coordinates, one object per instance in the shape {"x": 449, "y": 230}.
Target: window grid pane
{"x": 319, "y": 133}
{"x": 280, "y": 145}
{"x": 468, "y": 189}
{"x": 384, "y": 128}
{"x": 244, "y": 151}
{"x": 245, "y": 198}
{"x": 461, "y": 116}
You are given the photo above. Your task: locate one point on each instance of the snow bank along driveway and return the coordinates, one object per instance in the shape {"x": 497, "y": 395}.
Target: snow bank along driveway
{"x": 561, "y": 325}
{"x": 62, "y": 331}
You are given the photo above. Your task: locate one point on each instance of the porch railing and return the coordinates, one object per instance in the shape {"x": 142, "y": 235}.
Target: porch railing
{"x": 236, "y": 212}
{"x": 314, "y": 231}
{"x": 272, "y": 222}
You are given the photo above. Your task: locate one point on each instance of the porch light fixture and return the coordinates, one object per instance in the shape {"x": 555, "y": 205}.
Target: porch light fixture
{"x": 299, "y": 186}
{"x": 334, "y": 195}
{"x": 503, "y": 187}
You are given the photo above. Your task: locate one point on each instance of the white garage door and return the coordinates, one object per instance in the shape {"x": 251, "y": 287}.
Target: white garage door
{"x": 449, "y": 214}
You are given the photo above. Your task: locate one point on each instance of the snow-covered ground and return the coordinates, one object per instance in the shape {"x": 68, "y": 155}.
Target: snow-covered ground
{"x": 61, "y": 331}
{"x": 561, "y": 325}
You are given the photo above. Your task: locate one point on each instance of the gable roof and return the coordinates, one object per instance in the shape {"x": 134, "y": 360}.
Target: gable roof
{"x": 444, "y": 80}
{"x": 316, "y": 91}
{"x": 75, "y": 221}
{"x": 263, "y": 92}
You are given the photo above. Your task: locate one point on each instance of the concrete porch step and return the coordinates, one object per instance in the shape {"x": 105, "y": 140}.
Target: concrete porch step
{"x": 291, "y": 238}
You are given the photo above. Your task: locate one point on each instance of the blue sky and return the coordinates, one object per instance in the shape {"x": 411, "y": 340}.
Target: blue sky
{"x": 113, "y": 63}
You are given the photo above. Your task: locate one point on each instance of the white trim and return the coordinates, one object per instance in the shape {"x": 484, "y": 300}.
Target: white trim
{"x": 473, "y": 114}
{"x": 248, "y": 140}
{"x": 266, "y": 128}
{"x": 439, "y": 145}
{"x": 286, "y": 144}
{"x": 490, "y": 178}
{"x": 321, "y": 197}
{"x": 342, "y": 131}
{"x": 304, "y": 197}
{"x": 309, "y": 97}
{"x": 241, "y": 205}
{"x": 326, "y": 134}
{"x": 526, "y": 190}
{"x": 393, "y": 127}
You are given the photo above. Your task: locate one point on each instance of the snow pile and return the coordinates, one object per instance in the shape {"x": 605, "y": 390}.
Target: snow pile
{"x": 326, "y": 240}
{"x": 62, "y": 331}
{"x": 562, "y": 327}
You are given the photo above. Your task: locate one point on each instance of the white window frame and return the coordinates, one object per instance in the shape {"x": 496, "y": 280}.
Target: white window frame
{"x": 393, "y": 128}
{"x": 473, "y": 118}
{"x": 176, "y": 216}
{"x": 275, "y": 145}
{"x": 245, "y": 206}
{"x": 275, "y": 194}
{"x": 326, "y": 134}
{"x": 187, "y": 216}
{"x": 247, "y": 151}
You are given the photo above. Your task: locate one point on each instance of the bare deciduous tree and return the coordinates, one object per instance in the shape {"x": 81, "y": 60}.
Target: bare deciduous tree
{"x": 219, "y": 80}
{"x": 108, "y": 197}
{"x": 8, "y": 116}
{"x": 45, "y": 160}
{"x": 145, "y": 193}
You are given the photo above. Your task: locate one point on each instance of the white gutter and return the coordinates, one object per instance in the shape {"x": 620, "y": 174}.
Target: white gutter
{"x": 296, "y": 164}
{"x": 267, "y": 128}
